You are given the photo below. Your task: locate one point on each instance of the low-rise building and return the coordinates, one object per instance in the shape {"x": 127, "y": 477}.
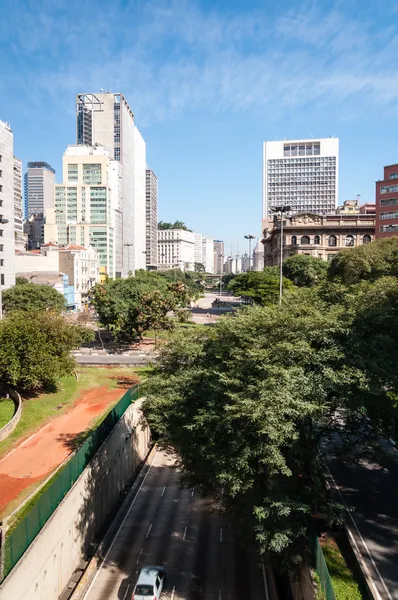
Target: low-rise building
{"x": 322, "y": 236}
{"x": 176, "y": 249}
{"x": 387, "y": 203}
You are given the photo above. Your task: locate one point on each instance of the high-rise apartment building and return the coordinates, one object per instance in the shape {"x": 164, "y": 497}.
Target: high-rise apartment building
{"x": 302, "y": 174}
{"x": 20, "y": 237}
{"x": 151, "y": 221}
{"x": 7, "y": 229}
{"x": 39, "y": 188}
{"x": 204, "y": 252}
{"x": 387, "y": 203}
{"x": 176, "y": 249}
{"x": 85, "y": 208}
{"x": 107, "y": 119}
{"x": 218, "y": 246}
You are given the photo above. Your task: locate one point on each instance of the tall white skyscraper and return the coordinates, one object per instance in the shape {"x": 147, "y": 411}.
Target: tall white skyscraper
{"x": 302, "y": 174}
{"x": 20, "y": 237}
{"x": 39, "y": 188}
{"x": 7, "y": 230}
{"x": 107, "y": 119}
{"x": 151, "y": 218}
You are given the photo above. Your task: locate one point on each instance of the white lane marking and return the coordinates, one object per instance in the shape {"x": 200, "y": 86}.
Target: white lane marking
{"x": 265, "y": 580}
{"x": 220, "y": 534}
{"x": 120, "y": 526}
{"x": 173, "y": 592}
{"x": 149, "y": 531}
{"x": 164, "y": 489}
{"x": 139, "y": 556}
{"x": 185, "y": 533}
{"x": 363, "y": 542}
{"x": 193, "y": 491}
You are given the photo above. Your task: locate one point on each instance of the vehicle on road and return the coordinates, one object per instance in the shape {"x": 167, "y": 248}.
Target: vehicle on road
{"x": 149, "y": 584}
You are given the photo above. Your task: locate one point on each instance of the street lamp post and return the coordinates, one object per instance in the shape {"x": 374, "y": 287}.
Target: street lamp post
{"x": 281, "y": 210}
{"x": 250, "y": 238}
{"x": 2, "y": 222}
{"x": 221, "y": 256}
{"x": 128, "y": 246}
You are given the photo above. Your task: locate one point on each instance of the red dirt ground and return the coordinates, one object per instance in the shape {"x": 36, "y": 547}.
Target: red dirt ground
{"x": 38, "y": 456}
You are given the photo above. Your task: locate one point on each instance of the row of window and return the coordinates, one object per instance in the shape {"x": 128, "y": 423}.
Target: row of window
{"x": 387, "y": 189}
{"x": 302, "y": 149}
{"x": 332, "y": 240}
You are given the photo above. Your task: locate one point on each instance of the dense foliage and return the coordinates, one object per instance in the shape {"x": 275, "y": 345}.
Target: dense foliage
{"x": 175, "y": 225}
{"x": 31, "y": 296}
{"x": 35, "y": 348}
{"x": 131, "y": 306}
{"x": 366, "y": 262}
{"x": 262, "y": 287}
{"x": 249, "y": 403}
{"x": 304, "y": 270}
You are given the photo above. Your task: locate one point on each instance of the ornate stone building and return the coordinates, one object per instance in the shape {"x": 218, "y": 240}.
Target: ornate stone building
{"x": 321, "y": 236}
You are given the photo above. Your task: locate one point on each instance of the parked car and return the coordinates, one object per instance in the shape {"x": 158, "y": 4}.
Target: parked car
{"x": 149, "y": 584}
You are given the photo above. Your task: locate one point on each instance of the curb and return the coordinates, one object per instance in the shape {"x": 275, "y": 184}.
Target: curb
{"x": 92, "y": 567}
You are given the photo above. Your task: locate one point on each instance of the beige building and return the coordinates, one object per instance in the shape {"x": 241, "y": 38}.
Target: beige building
{"x": 317, "y": 235}
{"x": 176, "y": 249}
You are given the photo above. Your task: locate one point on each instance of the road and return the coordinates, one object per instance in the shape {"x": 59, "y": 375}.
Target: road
{"x": 170, "y": 526}
{"x": 372, "y": 495}
{"x": 112, "y": 359}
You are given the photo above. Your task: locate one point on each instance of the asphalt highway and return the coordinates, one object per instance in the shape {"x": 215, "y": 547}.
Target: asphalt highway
{"x": 173, "y": 527}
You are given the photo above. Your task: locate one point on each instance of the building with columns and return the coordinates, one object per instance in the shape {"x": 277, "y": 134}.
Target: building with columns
{"x": 322, "y": 236}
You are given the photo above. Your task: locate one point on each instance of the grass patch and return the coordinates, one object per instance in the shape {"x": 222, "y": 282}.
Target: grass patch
{"x": 37, "y": 411}
{"x": 345, "y": 584}
{"x": 7, "y": 410}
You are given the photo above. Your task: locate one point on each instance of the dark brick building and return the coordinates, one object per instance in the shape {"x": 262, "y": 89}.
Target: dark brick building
{"x": 387, "y": 203}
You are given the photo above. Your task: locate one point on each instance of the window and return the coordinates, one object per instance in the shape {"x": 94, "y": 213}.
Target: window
{"x": 366, "y": 239}
{"x": 2, "y": 279}
{"x": 349, "y": 240}
{"x": 305, "y": 239}
{"x": 1, "y": 173}
{"x": 389, "y": 202}
{"x": 317, "y": 239}
{"x": 388, "y": 228}
{"x": 385, "y": 189}
{"x": 332, "y": 241}
{"x": 393, "y": 176}
{"x": 389, "y": 215}
{"x": 1, "y": 188}
{"x": 293, "y": 240}
{"x": 72, "y": 173}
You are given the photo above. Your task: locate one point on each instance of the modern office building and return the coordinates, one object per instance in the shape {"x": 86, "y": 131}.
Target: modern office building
{"x": 20, "y": 237}
{"x": 176, "y": 249}
{"x": 322, "y": 236}
{"x": 218, "y": 247}
{"x": 39, "y": 188}
{"x": 302, "y": 174}
{"x": 387, "y": 203}
{"x": 204, "y": 252}
{"x": 107, "y": 119}
{"x": 151, "y": 219}
{"x": 84, "y": 213}
{"x": 7, "y": 227}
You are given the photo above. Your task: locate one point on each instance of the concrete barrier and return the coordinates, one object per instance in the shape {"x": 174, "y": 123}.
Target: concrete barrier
{"x": 48, "y": 564}
{"x": 7, "y": 429}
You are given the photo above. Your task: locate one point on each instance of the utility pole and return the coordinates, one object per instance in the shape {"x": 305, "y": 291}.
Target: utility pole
{"x": 282, "y": 210}
{"x": 250, "y": 238}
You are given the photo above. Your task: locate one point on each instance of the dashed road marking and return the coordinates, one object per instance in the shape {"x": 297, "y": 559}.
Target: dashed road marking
{"x": 149, "y": 530}
{"x": 164, "y": 489}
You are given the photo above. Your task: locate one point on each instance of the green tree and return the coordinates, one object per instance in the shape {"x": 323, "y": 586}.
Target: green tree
{"x": 35, "y": 348}
{"x": 366, "y": 262}
{"x": 305, "y": 271}
{"x": 262, "y": 287}
{"x": 175, "y": 225}
{"x": 21, "y": 280}
{"x": 30, "y": 297}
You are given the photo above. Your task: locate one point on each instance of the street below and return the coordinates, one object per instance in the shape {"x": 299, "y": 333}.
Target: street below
{"x": 174, "y": 527}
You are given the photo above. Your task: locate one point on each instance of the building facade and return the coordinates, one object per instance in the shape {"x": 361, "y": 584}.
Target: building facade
{"x": 39, "y": 185}
{"x": 151, "y": 219}
{"x": 176, "y": 249}
{"x": 7, "y": 228}
{"x": 20, "y": 237}
{"x": 204, "y": 252}
{"x": 387, "y": 203}
{"x": 107, "y": 119}
{"x": 302, "y": 174}
{"x": 321, "y": 236}
{"x": 34, "y": 230}
{"x": 82, "y": 267}
{"x": 218, "y": 248}
{"x": 258, "y": 256}
{"x": 84, "y": 211}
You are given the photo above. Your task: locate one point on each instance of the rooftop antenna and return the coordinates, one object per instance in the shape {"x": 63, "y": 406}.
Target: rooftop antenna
{"x": 310, "y": 134}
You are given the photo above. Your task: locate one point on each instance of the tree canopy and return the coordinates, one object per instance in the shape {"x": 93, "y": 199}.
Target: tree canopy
{"x": 260, "y": 286}
{"x": 175, "y": 225}
{"x": 35, "y": 348}
{"x": 305, "y": 271}
{"x": 366, "y": 262}
{"x": 29, "y": 297}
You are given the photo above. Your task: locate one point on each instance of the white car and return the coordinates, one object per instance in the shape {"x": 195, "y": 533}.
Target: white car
{"x": 149, "y": 584}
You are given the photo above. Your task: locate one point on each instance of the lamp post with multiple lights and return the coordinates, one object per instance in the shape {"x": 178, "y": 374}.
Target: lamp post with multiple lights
{"x": 281, "y": 210}
{"x": 250, "y": 238}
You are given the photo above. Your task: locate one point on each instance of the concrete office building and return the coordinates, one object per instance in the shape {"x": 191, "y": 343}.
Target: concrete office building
{"x": 151, "y": 219}
{"x": 176, "y": 249}
{"x": 204, "y": 252}
{"x": 7, "y": 229}
{"x": 39, "y": 188}
{"x": 20, "y": 237}
{"x": 218, "y": 246}
{"x": 387, "y": 203}
{"x": 84, "y": 213}
{"x": 302, "y": 174}
{"x": 107, "y": 119}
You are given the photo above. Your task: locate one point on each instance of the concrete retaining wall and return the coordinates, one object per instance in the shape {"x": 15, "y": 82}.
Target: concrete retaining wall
{"x": 7, "y": 429}
{"x": 46, "y": 567}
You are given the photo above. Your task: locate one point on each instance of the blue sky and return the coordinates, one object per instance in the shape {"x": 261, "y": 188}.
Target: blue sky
{"x": 208, "y": 81}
